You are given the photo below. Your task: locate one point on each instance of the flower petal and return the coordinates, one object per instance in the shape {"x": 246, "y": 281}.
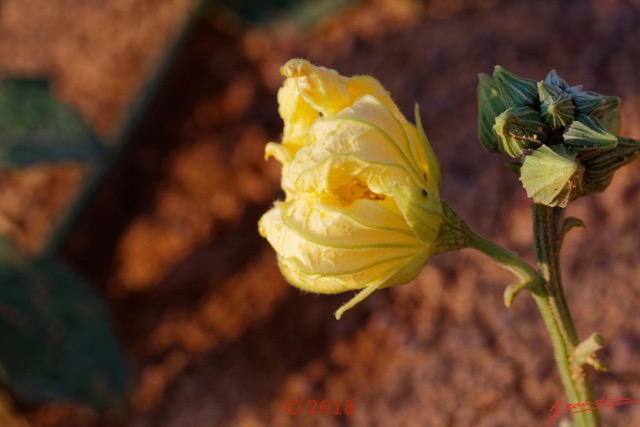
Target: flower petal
{"x": 297, "y": 114}
{"x": 363, "y": 224}
{"x": 325, "y": 176}
{"x": 324, "y": 257}
{"x": 322, "y": 88}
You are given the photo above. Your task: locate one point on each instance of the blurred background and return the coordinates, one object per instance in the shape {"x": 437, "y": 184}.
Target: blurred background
{"x": 136, "y": 290}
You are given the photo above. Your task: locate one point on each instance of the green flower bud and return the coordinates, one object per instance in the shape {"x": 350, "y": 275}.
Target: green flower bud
{"x": 566, "y": 140}
{"x": 546, "y": 91}
{"x": 586, "y": 136}
{"x": 557, "y": 110}
{"x": 520, "y": 129}
{"x": 553, "y": 79}
{"x": 516, "y": 91}
{"x": 552, "y": 176}
{"x": 594, "y": 104}
{"x": 490, "y": 105}
{"x": 600, "y": 169}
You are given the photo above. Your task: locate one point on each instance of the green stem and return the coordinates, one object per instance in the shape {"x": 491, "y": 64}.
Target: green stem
{"x": 555, "y": 312}
{"x": 509, "y": 261}
{"x": 547, "y": 293}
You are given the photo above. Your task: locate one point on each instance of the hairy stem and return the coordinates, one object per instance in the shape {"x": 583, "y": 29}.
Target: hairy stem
{"x": 555, "y": 312}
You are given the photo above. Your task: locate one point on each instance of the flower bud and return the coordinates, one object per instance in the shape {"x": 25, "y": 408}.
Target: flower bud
{"x": 586, "y": 136}
{"x": 567, "y": 139}
{"x": 547, "y": 91}
{"x": 516, "y": 91}
{"x": 520, "y": 129}
{"x": 600, "y": 169}
{"x": 554, "y": 79}
{"x": 557, "y": 110}
{"x": 490, "y": 106}
{"x": 556, "y": 107}
{"x": 552, "y": 175}
{"x": 594, "y": 104}
{"x": 362, "y": 208}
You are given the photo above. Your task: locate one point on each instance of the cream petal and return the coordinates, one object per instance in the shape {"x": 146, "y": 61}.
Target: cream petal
{"x": 359, "y": 86}
{"x": 363, "y": 224}
{"x": 277, "y": 151}
{"x": 407, "y": 272}
{"x": 333, "y": 284}
{"x": 363, "y": 139}
{"x": 322, "y": 88}
{"x": 321, "y": 259}
{"x": 370, "y": 109}
{"x": 335, "y": 171}
{"x": 297, "y": 114}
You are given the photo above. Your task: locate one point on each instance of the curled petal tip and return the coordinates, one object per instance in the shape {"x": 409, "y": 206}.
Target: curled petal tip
{"x": 296, "y": 67}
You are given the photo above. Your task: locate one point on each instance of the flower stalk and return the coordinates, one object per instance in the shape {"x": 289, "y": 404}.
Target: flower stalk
{"x": 546, "y": 289}
{"x": 555, "y": 311}
{"x": 568, "y": 144}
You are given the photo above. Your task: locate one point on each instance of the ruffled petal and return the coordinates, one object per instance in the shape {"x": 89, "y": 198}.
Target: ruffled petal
{"x": 298, "y": 116}
{"x": 326, "y": 251}
{"x": 322, "y": 88}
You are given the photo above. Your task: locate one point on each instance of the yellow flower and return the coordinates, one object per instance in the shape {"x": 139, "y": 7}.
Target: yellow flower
{"x": 362, "y": 209}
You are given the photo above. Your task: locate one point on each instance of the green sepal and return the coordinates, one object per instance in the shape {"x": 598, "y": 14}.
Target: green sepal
{"x": 516, "y": 91}
{"x": 594, "y": 104}
{"x": 454, "y": 233}
{"x": 490, "y": 105}
{"x": 552, "y": 176}
{"x": 432, "y": 160}
{"x": 587, "y": 137}
{"x": 421, "y": 210}
{"x": 520, "y": 129}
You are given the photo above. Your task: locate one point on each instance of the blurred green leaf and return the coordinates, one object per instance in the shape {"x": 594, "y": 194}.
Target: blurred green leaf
{"x": 55, "y": 338}
{"x": 36, "y": 127}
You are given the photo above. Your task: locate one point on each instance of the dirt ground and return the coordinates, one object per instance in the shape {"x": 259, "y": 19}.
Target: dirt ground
{"x": 214, "y": 335}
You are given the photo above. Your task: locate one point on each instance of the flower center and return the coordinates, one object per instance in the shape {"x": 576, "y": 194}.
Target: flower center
{"x": 354, "y": 190}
